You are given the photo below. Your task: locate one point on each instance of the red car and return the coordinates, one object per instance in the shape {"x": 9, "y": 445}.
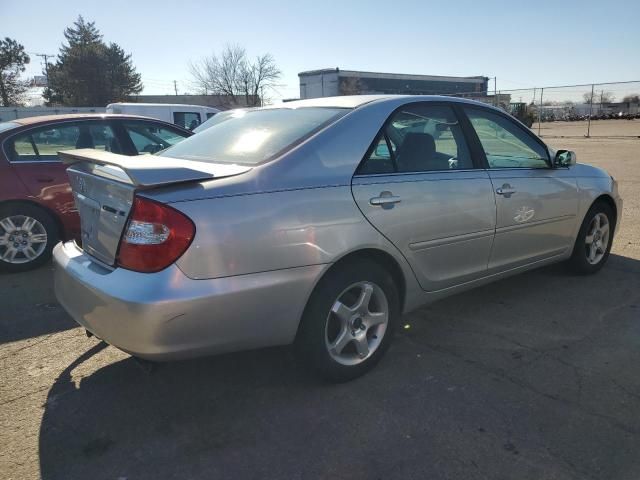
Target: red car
{"x": 36, "y": 206}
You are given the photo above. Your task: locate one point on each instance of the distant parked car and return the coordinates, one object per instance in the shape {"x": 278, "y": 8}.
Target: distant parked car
{"x": 320, "y": 222}
{"x": 36, "y": 204}
{"x": 185, "y": 116}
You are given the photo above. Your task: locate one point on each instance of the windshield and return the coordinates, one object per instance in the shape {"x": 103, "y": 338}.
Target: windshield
{"x": 8, "y": 126}
{"x": 252, "y": 137}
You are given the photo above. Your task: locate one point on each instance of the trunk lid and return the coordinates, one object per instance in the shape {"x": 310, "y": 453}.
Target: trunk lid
{"x": 104, "y": 184}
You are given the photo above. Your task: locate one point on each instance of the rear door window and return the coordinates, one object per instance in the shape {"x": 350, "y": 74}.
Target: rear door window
{"x": 419, "y": 138}
{"x": 44, "y": 143}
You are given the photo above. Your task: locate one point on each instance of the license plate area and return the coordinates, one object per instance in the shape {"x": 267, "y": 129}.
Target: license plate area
{"x": 103, "y": 205}
{"x": 89, "y": 211}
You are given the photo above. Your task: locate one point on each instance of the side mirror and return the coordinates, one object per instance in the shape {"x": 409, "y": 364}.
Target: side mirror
{"x": 564, "y": 158}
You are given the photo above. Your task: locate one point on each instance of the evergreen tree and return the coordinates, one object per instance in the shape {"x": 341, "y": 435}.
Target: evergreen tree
{"x": 12, "y": 63}
{"x": 88, "y": 72}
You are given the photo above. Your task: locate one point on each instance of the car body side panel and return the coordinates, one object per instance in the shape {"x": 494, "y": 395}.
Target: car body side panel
{"x": 256, "y": 233}
{"x": 592, "y": 183}
{"x": 444, "y": 223}
{"x": 538, "y": 220}
{"x": 11, "y": 187}
{"x": 54, "y": 195}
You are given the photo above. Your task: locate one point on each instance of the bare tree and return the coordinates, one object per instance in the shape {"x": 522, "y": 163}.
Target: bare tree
{"x": 599, "y": 97}
{"x": 634, "y": 97}
{"x": 232, "y": 74}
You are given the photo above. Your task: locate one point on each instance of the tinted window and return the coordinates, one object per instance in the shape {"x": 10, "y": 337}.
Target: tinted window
{"x": 189, "y": 120}
{"x": 150, "y": 138}
{"x": 8, "y": 126}
{"x": 419, "y": 138}
{"x": 505, "y": 144}
{"x": 255, "y": 136}
{"x": 43, "y": 144}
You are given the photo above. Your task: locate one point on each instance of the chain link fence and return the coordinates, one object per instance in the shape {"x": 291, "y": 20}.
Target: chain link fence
{"x": 609, "y": 110}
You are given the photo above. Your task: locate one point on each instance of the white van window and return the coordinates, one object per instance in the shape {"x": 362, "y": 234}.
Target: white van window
{"x": 189, "y": 120}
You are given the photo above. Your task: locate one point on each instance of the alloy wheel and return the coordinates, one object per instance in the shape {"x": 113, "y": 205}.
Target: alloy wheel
{"x": 357, "y": 323}
{"x": 597, "y": 238}
{"x": 22, "y": 239}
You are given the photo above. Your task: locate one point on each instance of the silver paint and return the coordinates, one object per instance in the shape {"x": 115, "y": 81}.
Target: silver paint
{"x": 265, "y": 236}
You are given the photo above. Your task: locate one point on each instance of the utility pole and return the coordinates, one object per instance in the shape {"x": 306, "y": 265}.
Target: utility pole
{"x": 590, "y": 111}
{"x": 175, "y": 87}
{"x": 495, "y": 92}
{"x": 540, "y": 110}
{"x": 45, "y": 56}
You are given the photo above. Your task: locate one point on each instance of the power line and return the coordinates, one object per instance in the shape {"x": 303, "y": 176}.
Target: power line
{"x": 46, "y": 63}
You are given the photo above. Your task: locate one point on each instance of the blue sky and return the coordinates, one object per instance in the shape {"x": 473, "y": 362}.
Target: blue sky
{"x": 523, "y": 44}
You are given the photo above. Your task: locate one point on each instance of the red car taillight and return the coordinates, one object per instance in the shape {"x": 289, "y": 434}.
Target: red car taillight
{"x": 155, "y": 236}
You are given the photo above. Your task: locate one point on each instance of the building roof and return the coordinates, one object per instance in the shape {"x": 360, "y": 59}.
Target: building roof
{"x": 399, "y": 76}
{"x": 355, "y": 101}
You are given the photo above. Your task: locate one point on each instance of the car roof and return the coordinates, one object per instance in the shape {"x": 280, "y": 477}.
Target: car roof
{"x": 76, "y": 116}
{"x": 178, "y": 105}
{"x": 355, "y": 101}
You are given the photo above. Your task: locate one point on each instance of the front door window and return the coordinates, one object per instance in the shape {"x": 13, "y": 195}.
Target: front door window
{"x": 505, "y": 144}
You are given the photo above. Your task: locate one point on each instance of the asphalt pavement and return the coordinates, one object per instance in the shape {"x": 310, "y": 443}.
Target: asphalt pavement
{"x": 536, "y": 377}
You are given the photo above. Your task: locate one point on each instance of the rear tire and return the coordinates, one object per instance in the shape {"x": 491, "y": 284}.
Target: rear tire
{"x": 594, "y": 240}
{"x": 27, "y": 237}
{"x": 349, "y": 321}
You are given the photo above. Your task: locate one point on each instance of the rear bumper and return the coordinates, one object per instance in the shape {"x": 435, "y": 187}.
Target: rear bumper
{"x": 166, "y": 315}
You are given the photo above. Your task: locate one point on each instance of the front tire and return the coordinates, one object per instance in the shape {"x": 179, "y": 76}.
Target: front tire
{"x": 27, "y": 237}
{"x": 594, "y": 241}
{"x": 349, "y": 321}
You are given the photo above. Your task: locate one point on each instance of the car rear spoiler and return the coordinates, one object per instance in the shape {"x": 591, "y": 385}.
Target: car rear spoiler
{"x": 148, "y": 170}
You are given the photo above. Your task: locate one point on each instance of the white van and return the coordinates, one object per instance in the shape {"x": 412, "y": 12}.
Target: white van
{"x": 185, "y": 116}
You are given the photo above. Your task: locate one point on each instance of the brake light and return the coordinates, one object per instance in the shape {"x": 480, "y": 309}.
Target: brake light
{"x": 155, "y": 236}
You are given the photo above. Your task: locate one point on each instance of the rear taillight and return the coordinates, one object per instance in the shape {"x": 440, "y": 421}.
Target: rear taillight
{"x": 155, "y": 236}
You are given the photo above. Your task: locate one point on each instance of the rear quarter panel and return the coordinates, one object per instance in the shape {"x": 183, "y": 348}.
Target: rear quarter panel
{"x": 246, "y": 234}
{"x": 270, "y": 231}
{"x": 11, "y": 188}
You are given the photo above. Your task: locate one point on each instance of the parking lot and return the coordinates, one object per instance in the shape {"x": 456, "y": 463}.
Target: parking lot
{"x": 536, "y": 376}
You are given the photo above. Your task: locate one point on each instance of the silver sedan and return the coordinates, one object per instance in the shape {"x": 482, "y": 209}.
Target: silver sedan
{"x": 319, "y": 223}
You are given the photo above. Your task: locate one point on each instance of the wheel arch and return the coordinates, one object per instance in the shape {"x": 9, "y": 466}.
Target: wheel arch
{"x": 609, "y": 201}
{"x": 379, "y": 256}
{"x": 31, "y": 203}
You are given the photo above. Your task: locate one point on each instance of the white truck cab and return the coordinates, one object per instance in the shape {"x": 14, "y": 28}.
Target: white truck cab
{"x": 185, "y": 116}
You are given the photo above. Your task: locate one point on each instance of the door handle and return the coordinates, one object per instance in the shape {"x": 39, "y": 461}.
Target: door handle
{"x": 506, "y": 190}
{"x": 44, "y": 179}
{"x": 386, "y": 199}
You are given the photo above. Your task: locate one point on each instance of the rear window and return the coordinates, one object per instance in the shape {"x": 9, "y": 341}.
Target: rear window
{"x": 252, "y": 137}
{"x": 8, "y": 126}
